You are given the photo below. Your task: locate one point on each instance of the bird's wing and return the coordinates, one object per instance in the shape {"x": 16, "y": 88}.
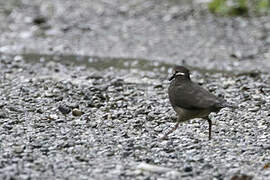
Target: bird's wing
{"x": 192, "y": 96}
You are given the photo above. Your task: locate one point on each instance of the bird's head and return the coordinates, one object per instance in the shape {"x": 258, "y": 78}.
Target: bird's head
{"x": 181, "y": 72}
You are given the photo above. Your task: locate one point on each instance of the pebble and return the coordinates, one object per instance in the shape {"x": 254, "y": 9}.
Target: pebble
{"x": 254, "y": 109}
{"x": 188, "y": 169}
{"x": 18, "y": 148}
{"x": 77, "y": 112}
{"x": 64, "y": 109}
{"x": 152, "y": 168}
{"x": 3, "y": 115}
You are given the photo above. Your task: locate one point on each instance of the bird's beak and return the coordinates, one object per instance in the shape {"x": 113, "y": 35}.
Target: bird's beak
{"x": 171, "y": 78}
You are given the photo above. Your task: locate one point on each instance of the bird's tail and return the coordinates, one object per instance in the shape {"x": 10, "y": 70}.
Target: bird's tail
{"x": 223, "y": 104}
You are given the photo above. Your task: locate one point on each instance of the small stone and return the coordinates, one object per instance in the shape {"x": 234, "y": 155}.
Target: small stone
{"x": 2, "y": 104}
{"x": 39, "y": 110}
{"x": 64, "y": 109}
{"x": 188, "y": 169}
{"x": 153, "y": 168}
{"x": 139, "y": 111}
{"x": 3, "y": 115}
{"x": 18, "y": 58}
{"x": 242, "y": 177}
{"x": 39, "y": 20}
{"x": 173, "y": 175}
{"x": 53, "y": 117}
{"x": 117, "y": 82}
{"x": 49, "y": 94}
{"x": 73, "y": 105}
{"x": 256, "y": 97}
{"x": 88, "y": 96}
{"x": 254, "y": 109}
{"x": 150, "y": 117}
{"x": 158, "y": 86}
{"x": 91, "y": 103}
{"x": 76, "y": 112}
{"x": 18, "y": 149}
{"x": 16, "y": 109}
{"x": 158, "y": 129}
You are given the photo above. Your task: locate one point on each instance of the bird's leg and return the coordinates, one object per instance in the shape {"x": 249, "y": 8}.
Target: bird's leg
{"x": 166, "y": 135}
{"x": 210, "y": 126}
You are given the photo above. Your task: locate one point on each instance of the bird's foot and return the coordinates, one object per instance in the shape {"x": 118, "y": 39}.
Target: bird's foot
{"x": 165, "y": 137}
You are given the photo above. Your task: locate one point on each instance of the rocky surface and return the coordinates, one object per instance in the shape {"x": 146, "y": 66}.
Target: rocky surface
{"x": 91, "y": 108}
{"x": 62, "y": 121}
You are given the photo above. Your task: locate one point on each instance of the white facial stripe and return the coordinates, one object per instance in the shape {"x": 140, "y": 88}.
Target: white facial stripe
{"x": 179, "y": 74}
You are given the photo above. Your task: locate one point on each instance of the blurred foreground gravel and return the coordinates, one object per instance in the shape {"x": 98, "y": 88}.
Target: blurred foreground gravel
{"x": 62, "y": 121}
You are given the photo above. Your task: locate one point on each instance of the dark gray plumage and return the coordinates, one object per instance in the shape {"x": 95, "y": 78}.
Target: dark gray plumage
{"x": 189, "y": 100}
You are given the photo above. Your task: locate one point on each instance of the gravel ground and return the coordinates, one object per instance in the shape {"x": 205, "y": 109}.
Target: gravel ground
{"x": 68, "y": 121}
{"x": 81, "y": 115}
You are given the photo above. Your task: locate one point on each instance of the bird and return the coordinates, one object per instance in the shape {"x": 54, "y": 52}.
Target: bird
{"x": 189, "y": 100}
